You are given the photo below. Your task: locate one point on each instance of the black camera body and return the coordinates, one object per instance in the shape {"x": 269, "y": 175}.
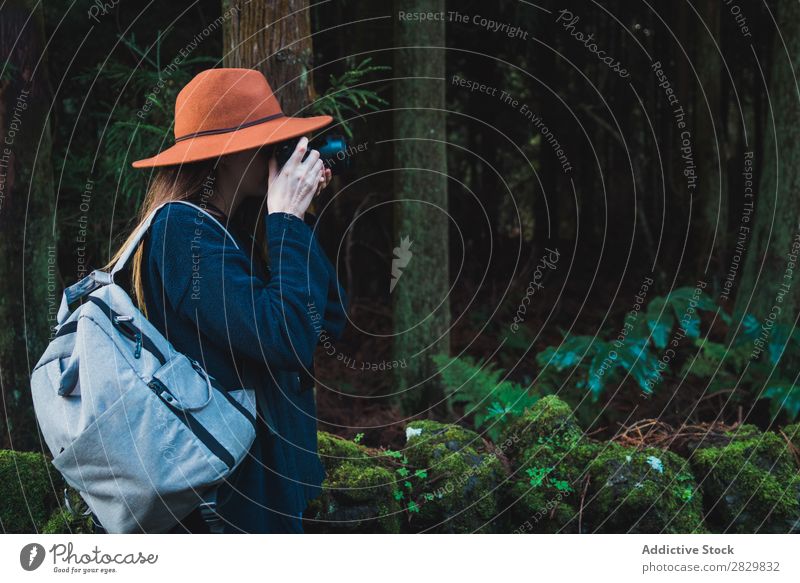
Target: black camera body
{"x": 333, "y": 149}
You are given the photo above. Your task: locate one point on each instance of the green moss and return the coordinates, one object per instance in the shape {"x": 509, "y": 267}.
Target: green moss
{"x": 750, "y": 485}
{"x": 462, "y": 475}
{"x": 544, "y": 494}
{"x": 643, "y": 491}
{"x": 27, "y": 490}
{"x": 549, "y": 421}
{"x": 549, "y": 457}
{"x": 64, "y": 521}
{"x": 334, "y": 450}
{"x": 357, "y": 491}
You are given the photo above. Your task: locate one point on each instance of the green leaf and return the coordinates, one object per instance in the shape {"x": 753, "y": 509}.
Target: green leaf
{"x": 784, "y": 396}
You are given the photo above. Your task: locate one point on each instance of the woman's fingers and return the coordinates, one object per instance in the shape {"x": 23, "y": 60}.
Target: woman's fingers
{"x": 316, "y": 171}
{"x": 297, "y": 156}
{"x": 324, "y": 180}
{"x": 310, "y": 161}
{"x": 273, "y": 169}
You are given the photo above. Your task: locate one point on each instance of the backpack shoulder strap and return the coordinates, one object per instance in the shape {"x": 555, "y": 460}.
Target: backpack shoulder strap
{"x": 142, "y": 229}
{"x": 97, "y": 278}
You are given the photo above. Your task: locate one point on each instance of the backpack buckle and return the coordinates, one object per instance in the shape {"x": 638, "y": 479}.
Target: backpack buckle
{"x": 208, "y": 510}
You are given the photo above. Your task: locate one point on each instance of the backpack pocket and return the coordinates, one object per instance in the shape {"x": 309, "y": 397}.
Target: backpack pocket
{"x": 182, "y": 383}
{"x": 136, "y": 467}
{"x": 223, "y": 423}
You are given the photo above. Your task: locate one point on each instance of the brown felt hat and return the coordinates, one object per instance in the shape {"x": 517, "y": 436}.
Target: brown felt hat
{"x": 227, "y": 110}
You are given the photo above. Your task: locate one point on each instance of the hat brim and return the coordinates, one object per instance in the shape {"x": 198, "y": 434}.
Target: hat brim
{"x": 215, "y": 145}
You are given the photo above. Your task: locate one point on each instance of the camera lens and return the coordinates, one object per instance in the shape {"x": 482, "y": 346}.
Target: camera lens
{"x": 332, "y": 149}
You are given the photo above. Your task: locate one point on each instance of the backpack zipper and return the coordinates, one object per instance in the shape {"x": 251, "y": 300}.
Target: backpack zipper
{"x": 125, "y": 325}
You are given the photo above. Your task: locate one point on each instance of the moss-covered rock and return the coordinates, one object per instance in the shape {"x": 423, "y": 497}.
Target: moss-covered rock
{"x": 453, "y": 479}
{"x": 549, "y": 420}
{"x": 28, "y": 491}
{"x": 544, "y": 476}
{"x": 644, "y": 490}
{"x": 357, "y": 491}
{"x": 751, "y": 484}
{"x": 544, "y": 492}
{"x": 565, "y": 482}
{"x": 548, "y": 457}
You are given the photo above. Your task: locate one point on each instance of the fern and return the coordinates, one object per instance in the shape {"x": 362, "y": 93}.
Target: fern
{"x": 480, "y": 385}
{"x": 595, "y": 363}
{"x": 344, "y": 98}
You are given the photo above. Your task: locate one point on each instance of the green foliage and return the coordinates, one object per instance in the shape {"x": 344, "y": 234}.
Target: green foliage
{"x": 771, "y": 376}
{"x": 460, "y": 474}
{"x": 404, "y": 471}
{"x": 139, "y": 121}
{"x": 540, "y": 476}
{"x": 357, "y": 490}
{"x": 345, "y": 97}
{"x": 481, "y": 387}
{"x": 593, "y": 363}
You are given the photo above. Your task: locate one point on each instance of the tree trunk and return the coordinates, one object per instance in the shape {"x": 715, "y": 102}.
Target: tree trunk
{"x": 710, "y": 212}
{"x": 273, "y": 36}
{"x": 420, "y": 266}
{"x": 28, "y": 272}
{"x": 770, "y": 286}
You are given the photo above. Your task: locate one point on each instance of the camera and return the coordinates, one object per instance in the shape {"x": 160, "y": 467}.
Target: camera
{"x": 333, "y": 151}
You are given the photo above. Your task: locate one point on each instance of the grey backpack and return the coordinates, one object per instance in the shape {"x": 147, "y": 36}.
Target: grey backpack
{"x": 140, "y": 430}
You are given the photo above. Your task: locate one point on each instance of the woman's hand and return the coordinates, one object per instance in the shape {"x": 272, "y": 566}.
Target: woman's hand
{"x": 325, "y": 180}
{"x": 292, "y": 189}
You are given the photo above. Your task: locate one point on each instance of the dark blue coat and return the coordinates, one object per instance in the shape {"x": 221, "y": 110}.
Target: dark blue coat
{"x": 253, "y": 327}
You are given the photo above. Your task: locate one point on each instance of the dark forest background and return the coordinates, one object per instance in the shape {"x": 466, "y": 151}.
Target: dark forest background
{"x": 634, "y": 268}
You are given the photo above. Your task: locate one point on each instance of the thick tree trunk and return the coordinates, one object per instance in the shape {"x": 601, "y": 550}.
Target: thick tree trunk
{"x": 420, "y": 295}
{"x": 770, "y": 285}
{"x": 28, "y": 273}
{"x": 710, "y": 211}
{"x": 273, "y": 36}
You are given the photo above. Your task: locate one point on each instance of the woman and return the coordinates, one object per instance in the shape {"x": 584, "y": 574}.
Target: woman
{"x": 213, "y": 296}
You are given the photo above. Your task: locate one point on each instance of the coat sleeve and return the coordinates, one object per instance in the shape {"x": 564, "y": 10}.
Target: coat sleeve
{"x": 209, "y": 281}
{"x": 335, "y": 314}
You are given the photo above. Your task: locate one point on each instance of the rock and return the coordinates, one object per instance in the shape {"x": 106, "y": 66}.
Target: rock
{"x": 549, "y": 419}
{"x": 454, "y": 477}
{"x": 751, "y": 484}
{"x": 357, "y": 492}
{"x": 644, "y": 490}
{"x": 548, "y": 456}
{"x": 565, "y": 482}
{"x": 544, "y": 492}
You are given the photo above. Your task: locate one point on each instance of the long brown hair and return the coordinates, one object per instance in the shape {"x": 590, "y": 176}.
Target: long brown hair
{"x": 192, "y": 181}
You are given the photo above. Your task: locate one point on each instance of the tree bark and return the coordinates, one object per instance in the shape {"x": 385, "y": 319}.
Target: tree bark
{"x": 770, "y": 286}
{"x": 273, "y": 36}
{"x": 710, "y": 215}
{"x": 28, "y": 273}
{"x": 420, "y": 296}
